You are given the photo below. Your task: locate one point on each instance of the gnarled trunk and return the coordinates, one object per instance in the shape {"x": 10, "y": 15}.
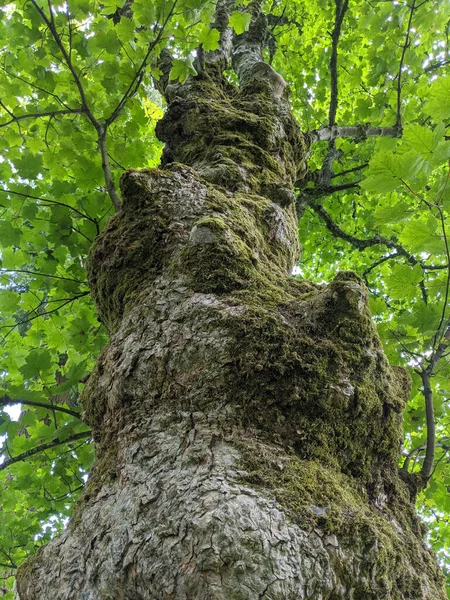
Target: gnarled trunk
{"x": 247, "y": 424}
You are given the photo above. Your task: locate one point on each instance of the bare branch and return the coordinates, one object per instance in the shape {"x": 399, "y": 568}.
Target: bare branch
{"x": 247, "y": 59}
{"x": 39, "y": 115}
{"x": 48, "y": 496}
{"x": 398, "y": 122}
{"x": 428, "y": 464}
{"x": 45, "y": 313}
{"x": 437, "y": 65}
{"x": 6, "y": 400}
{"x": 443, "y": 443}
{"x": 357, "y": 132}
{"x": 50, "y": 202}
{"x": 447, "y": 251}
{"x": 437, "y": 354}
{"x": 39, "y": 274}
{"x": 34, "y": 86}
{"x": 361, "y": 244}
{"x": 341, "y": 8}
{"x": 6, "y": 555}
{"x": 352, "y": 170}
{"x": 377, "y": 263}
{"x": 222, "y": 15}
{"x": 43, "y": 448}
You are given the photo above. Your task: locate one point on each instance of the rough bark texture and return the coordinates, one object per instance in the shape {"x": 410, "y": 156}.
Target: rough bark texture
{"x": 247, "y": 425}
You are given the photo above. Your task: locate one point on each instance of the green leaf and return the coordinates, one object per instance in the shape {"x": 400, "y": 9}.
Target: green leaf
{"x": 209, "y": 39}
{"x": 240, "y": 21}
{"x": 182, "y": 68}
{"x": 420, "y": 138}
{"x": 383, "y": 174}
{"x": 37, "y": 362}
{"x": 420, "y": 235}
{"x": 9, "y": 235}
{"x": 403, "y": 282}
{"x": 438, "y": 95}
{"x": 395, "y": 212}
{"x": 8, "y": 301}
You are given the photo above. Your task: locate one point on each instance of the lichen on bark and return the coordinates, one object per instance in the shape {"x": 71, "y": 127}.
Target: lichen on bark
{"x": 247, "y": 424}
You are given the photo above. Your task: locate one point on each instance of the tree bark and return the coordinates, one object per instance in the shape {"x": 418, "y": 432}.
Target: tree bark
{"x": 247, "y": 425}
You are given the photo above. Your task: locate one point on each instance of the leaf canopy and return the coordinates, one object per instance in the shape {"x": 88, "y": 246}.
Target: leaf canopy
{"x": 77, "y": 80}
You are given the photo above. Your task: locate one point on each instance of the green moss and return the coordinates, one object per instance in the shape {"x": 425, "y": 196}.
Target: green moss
{"x": 312, "y": 374}
{"x": 128, "y": 253}
{"x": 307, "y": 365}
{"x": 234, "y": 139}
{"x": 327, "y": 501}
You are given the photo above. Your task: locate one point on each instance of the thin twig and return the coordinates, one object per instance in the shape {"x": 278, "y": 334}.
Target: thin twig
{"x": 447, "y": 251}
{"x": 137, "y": 79}
{"x": 379, "y": 262}
{"x": 49, "y": 202}
{"x": 43, "y": 448}
{"x": 6, "y": 400}
{"x": 48, "y": 496}
{"x": 42, "y": 275}
{"x": 352, "y": 170}
{"x": 50, "y": 22}
{"x": 50, "y": 113}
{"x": 34, "y": 86}
{"x": 99, "y": 127}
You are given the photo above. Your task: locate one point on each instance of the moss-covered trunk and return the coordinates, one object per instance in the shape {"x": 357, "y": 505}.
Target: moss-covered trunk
{"x": 247, "y": 424}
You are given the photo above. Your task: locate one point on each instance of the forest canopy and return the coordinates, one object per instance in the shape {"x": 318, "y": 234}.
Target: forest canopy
{"x": 79, "y": 102}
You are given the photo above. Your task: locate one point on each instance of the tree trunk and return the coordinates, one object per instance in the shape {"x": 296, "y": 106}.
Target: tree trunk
{"x": 247, "y": 425}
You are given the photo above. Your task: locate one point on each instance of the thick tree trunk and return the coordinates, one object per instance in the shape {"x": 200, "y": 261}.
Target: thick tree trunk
{"x": 247, "y": 425}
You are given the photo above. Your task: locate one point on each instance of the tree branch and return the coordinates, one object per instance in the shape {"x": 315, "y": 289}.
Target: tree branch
{"x": 6, "y": 400}
{"x": 109, "y": 181}
{"x": 352, "y": 170}
{"x": 43, "y": 314}
{"x": 447, "y": 251}
{"x": 35, "y": 87}
{"x": 101, "y": 129}
{"x": 221, "y": 19}
{"x": 357, "y": 132}
{"x": 441, "y": 444}
{"x": 51, "y": 203}
{"x": 436, "y": 65}
{"x": 247, "y": 59}
{"x": 50, "y": 22}
{"x": 138, "y": 76}
{"x": 50, "y": 113}
{"x": 398, "y": 122}
{"x": 42, "y": 275}
{"x": 341, "y": 8}
{"x": 43, "y": 447}
{"x": 377, "y": 263}
{"x": 361, "y": 244}
{"x": 428, "y": 464}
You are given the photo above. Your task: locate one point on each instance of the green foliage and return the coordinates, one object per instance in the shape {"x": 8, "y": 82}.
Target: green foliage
{"x": 239, "y": 21}
{"x": 54, "y": 201}
{"x": 182, "y": 68}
